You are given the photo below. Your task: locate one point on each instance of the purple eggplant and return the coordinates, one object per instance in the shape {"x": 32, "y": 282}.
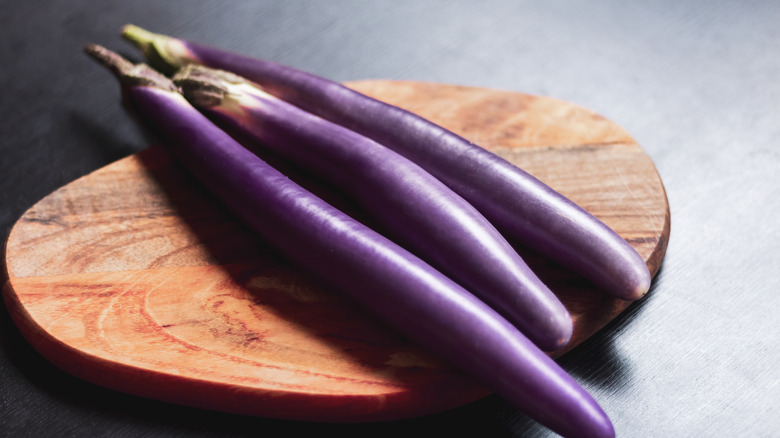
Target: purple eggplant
{"x": 522, "y": 207}
{"x": 415, "y": 209}
{"x": 390, "y": 282}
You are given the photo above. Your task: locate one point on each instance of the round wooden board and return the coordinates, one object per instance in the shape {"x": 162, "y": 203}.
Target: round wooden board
{"x": 134, "y": 278}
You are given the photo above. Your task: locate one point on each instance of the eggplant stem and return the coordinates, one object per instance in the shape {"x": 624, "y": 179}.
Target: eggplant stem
{"x": 160, "y": 50}
{"x": 127, "y": 72}
{"x": 141, "y": 38}
{"x": 118, "y": 65}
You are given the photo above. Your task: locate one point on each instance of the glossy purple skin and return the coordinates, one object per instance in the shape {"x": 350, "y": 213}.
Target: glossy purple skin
{"x": 416, "y": 209}
{"x": 396, "y": 286}
{"x": 518, "y": 204}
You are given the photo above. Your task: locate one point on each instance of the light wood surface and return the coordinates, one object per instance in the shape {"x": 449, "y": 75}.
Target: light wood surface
{"x": 134, "y": 278}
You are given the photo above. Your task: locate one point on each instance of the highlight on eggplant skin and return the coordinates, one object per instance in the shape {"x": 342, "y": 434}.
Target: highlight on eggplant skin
{"x": 417, "y": 210}
{"x": 505, "y": 194}
{"x": 385, "y": 279}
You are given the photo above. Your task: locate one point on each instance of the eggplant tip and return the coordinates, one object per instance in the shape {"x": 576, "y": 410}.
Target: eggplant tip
{"x": 643, "y": 285}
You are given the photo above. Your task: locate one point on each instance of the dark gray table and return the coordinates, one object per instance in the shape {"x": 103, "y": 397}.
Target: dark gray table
{"x": 696, "y": 83}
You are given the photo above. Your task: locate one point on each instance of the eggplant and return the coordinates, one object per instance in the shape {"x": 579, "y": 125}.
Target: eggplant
{"x": 415, "y": 209}
{"x": 522, "y": 207}
{"x": 394, "y": 285}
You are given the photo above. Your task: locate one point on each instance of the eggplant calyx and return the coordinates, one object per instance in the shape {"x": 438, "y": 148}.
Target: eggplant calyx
{"x": 202, "y": 86}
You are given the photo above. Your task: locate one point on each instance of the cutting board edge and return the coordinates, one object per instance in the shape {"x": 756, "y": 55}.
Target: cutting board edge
{"x": 230, "y": 398}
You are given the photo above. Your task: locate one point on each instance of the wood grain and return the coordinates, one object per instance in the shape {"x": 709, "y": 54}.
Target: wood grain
{"x": 134, "y": 278}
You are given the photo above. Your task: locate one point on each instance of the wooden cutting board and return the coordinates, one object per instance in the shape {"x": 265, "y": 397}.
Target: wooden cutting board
{"x": 134, "y": 278}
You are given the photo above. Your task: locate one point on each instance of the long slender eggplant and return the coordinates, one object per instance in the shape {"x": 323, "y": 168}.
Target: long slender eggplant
{"x": 393, "y": 284}
{"x": 522, "y": 207}
{"x": 416, "y": 209}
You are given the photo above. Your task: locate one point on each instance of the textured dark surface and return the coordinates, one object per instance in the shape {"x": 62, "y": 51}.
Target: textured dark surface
{"x": 696, "y": 83}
